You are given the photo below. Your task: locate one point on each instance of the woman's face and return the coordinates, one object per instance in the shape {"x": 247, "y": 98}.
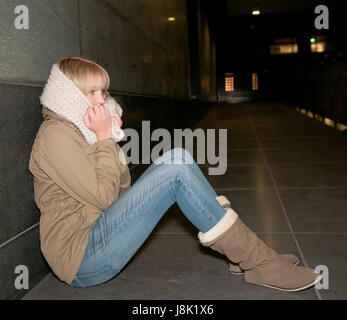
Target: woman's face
{"x": 96, "y": 97}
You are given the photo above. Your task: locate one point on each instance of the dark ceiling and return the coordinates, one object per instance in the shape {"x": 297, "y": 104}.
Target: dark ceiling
{"x": 245, "y": 7}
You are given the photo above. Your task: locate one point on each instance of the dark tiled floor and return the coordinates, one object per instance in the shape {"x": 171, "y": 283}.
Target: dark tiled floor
{"x": 286, "y": 178}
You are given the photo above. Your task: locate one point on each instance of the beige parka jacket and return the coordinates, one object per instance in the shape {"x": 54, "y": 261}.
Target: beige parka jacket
{"x": 76, "y": 178}
{"x": 74, "y": 182}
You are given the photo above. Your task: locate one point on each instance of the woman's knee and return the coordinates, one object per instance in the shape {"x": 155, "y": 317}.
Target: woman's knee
{"x": 176, "y": 156}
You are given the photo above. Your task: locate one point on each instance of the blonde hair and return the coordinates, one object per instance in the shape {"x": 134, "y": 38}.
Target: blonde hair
{"x": 86, "y": 74}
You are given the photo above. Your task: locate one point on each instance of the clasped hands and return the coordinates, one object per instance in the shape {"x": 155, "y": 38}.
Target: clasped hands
{"x": 99, "y": 120}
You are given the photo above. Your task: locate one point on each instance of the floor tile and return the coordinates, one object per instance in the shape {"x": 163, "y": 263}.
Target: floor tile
{"x": 310, "y": 175}
{"x": 234, "y": 157}
{"x": 174, "y": 221}
{"x": 316, "y": 210}
{"x": 245, "y": 157}
{"x": 174, "y": 267}
{"x": 234, "y": 143}
{"x": 309, "y": 154}
{"x": 248, "y": 176}
{"x": 328, "y": 251}
{"x": 259, "y": 209}
{"x": 310, "y": 140}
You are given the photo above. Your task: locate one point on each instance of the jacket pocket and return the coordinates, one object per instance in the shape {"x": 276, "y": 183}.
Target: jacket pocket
{"x": 94, "y": 278}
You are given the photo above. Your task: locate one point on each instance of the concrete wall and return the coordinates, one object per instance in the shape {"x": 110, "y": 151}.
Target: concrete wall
{"x": 146, "y": 55}
{"x": 319, "y": 87}
{"x": 207, "y": 57}
{"x": 143, "y": 52}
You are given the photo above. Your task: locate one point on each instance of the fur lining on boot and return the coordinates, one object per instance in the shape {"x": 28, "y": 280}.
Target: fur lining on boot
{"x": 223, "y": 225}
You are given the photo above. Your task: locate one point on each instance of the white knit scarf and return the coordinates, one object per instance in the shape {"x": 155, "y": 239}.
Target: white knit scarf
{"x": 63, "y": 97}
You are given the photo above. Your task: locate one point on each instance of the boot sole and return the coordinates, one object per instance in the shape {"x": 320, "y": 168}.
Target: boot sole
{"x": 242, "y": 273}
{"x": 319, "y": 278}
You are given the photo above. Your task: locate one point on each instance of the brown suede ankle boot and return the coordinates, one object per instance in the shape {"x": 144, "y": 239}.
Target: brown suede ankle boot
{"x": 235, "y": 268}
{"x": 261, "y": 264}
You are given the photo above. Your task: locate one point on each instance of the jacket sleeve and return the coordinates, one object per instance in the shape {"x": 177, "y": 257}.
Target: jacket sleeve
{"x": 125, "y": 181}
{"x": 89, "y": 174}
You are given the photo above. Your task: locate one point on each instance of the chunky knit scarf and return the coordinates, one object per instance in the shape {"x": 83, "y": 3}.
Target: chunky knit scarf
{"x": 63, "y": 97}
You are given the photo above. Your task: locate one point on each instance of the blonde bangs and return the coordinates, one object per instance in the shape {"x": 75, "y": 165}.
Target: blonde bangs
{"x": 86, "y": 74}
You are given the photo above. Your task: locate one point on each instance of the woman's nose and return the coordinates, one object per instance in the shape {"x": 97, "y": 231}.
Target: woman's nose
{"x": 100, "y": 98}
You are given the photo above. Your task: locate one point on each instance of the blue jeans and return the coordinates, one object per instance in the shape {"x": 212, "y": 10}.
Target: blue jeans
{"x": 121, "y": 230}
